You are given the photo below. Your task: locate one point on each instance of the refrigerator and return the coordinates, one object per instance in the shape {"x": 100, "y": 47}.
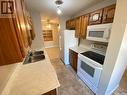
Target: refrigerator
{"x": 67, "y": 39}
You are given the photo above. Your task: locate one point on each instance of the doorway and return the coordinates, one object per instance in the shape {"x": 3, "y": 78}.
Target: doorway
{"x": 50, "y": 34}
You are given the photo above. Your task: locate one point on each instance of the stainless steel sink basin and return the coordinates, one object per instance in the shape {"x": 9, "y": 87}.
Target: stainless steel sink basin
{"x": 36, "y": 53}
{"x": 34, "y": 57}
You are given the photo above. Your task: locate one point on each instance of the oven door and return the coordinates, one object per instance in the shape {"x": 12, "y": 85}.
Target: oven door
{"x": 88, "y": 72}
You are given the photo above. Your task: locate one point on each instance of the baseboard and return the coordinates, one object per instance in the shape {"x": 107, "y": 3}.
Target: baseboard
{"x": 52, "y": 46}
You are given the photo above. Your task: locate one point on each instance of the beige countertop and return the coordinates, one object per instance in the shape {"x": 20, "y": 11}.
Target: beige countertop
{"x": 33, "y": 79}
{"x": 79, "y": 49}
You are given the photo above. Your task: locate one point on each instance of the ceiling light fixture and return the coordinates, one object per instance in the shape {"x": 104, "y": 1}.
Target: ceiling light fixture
{"x": 59, "y": 12}
{"x": 58, "y": 4}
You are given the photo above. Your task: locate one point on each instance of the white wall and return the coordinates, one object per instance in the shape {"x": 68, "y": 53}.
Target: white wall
{"x": 38, "y": 42}
{"x": 100, "y": 5}
{"x": 115, "y": 61}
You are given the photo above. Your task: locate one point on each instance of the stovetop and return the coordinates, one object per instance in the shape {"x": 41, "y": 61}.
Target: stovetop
{"x": 94, "y": 56}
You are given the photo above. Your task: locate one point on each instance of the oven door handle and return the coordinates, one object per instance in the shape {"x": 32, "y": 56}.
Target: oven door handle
{"x": 90, "y": 63}
{"x": 97, "y": 67}
{"x": 94, "y": 66}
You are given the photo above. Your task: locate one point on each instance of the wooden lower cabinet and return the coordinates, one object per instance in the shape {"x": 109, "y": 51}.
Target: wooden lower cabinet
{"x": 53, "y": 92}
{"x": 73, "y": 59}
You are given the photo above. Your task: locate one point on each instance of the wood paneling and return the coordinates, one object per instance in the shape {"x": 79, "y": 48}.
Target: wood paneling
{"x": 78, "y": 27}
{"x": 85, "y": 20}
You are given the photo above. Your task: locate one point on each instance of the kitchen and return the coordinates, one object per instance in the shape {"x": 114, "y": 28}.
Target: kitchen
{"x": 94, "y": 44}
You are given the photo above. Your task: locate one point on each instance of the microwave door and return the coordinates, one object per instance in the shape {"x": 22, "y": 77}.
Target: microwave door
{"x": 98, "y": 34}
{"x": 107, "y": 34}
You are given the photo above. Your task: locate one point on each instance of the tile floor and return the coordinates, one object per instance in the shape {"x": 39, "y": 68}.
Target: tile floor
{"x": 53, "y": 52}
{"x": 70, "y": 83}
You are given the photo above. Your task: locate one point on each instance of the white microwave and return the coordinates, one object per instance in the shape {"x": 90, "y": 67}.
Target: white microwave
{"x": 99, "y": 32}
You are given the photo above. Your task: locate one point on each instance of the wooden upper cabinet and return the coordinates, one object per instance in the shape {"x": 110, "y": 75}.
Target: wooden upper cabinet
{"x": 96, "y": 17}
{"x": 78, "y": 27}
{"x": 70, "y": 24}
{"x": 85, "y": 21}
{"x": 108, "y": 14}
{"x": 81, "y": 26}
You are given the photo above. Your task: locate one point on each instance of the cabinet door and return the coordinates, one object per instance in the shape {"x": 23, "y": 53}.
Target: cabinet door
{"x": 10, "y": 50}
{"x": 81, "y": 26}
{"x": 108, "y": 14}
{"x": 78, "y": 27}
{"x": 96, "y": 17}
{"x": 70, "y": 24}
{"x": 70, "y": 57}
{"x": 84, "y": 25}
{"x": 73, "y": 57}
{"x": 21, "y": 28}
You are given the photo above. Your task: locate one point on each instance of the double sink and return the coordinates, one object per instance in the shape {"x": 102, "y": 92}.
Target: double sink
{"x": 34, "y": 56}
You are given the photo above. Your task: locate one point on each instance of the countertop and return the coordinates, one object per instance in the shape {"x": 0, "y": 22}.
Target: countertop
{"x": 33, "y": 79}
{"x": 79, "y": 49}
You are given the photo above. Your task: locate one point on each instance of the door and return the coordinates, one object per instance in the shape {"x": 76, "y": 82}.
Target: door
{"x": 108, "y": 14}
{"x": 96, "y": 17}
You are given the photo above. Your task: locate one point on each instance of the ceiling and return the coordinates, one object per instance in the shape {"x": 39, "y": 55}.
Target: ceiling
{"x": 47, "y": 8}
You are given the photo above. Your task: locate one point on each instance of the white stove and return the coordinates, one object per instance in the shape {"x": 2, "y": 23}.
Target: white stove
{"x": 90, "y": 66}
